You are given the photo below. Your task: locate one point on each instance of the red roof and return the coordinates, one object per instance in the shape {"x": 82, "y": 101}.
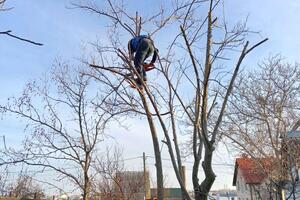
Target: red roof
{"x": 252, "y": 170}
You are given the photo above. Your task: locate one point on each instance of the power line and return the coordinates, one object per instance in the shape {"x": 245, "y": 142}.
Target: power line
{"x": 216, "y": 164}
{"x": 53, "y": 170}
{"x": 122, "y": 160}
{"x": 133, "y": 158}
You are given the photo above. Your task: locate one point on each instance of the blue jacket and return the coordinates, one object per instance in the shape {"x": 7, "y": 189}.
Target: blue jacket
{"x": 134, "y": 42}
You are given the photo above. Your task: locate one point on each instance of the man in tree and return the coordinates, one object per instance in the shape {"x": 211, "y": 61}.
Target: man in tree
{"x": 143, "y": 47}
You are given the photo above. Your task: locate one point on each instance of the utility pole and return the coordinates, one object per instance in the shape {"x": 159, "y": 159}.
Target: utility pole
{"x": 182, "y": 173}
{"x": 145, "y": 176}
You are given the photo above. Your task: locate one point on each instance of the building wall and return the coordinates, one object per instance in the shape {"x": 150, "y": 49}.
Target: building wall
{"x": 258, "y": 191}
{"x": 296, "y": 191}
{"x": 169, "y": 193}
{"x": 9, "y": 198}
{"x": 242, "y": 189}
{"x": 133, "y": 184}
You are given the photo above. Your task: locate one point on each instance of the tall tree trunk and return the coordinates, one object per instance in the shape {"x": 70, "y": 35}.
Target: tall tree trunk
{"x": 201, "y": 192}
{"x": 86, "y": 187}
{"x": 158, "y": 163}
{"x": 87, "y": 183}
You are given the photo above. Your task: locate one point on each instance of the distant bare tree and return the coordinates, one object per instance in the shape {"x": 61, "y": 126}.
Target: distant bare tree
{"x": 193, "y": 85}
{"x": 264, "y": 107}
{"x": 64, "y": 126}
{"x": 114, "y": 182}
{"x": 4, "y": 180}
{"x": 25, "y": 188}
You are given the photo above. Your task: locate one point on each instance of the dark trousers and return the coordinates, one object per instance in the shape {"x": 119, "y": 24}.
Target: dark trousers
{"x": 144, "y": 50}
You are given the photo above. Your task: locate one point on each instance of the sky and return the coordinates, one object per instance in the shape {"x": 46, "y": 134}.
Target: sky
{"x": 66, "y": 34}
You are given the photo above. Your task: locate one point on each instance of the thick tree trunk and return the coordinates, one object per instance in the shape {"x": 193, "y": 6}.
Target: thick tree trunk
{"x": 201, "y": 195}
{"x": 158, "y": 163}
{"x": 86, "y": 189}
{"x": 87, "y": 183}
{"x": 201, "y": 192}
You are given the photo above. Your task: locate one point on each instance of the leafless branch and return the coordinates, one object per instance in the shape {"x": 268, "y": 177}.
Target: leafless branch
{"x": 19, "y": 38}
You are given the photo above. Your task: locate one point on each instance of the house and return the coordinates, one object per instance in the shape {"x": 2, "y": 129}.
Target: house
{"x": 251, "y": 179}
{"x": 134, "y": 184}
{"x": 169, "y": 193}
{"x": 292, "y": 143}
{"x": 8, "y": 198}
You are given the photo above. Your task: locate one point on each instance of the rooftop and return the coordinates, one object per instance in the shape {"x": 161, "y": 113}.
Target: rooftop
{"x": 252, "y": 170}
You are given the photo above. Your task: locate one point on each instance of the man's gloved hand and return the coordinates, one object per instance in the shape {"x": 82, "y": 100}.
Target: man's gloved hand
{"x": 149, "y": 66}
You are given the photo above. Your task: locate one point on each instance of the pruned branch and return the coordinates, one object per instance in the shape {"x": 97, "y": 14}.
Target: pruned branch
{"x": 19, "y": 38}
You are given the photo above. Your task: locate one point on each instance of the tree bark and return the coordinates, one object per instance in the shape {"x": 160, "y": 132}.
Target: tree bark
{"x": 201, "y": 193}
{"x": 87, "y": 183}
{"x": 86, "y": 187}
{"x": 158, "y": 163}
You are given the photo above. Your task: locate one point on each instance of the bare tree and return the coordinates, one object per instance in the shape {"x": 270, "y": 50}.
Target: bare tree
{"x": 113, "y": 181}
{"x": 133, "y": 25}
{"x": 180, "y": 71}
{"x": 263, "y": 109}
{"x": 63, "y": 125}
{"x": 22, "y": 186}
{"x": 4, "y": 174}
{"x": 25, "y": 188}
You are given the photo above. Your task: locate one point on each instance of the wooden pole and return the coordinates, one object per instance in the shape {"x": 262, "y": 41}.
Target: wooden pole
{"x": 145, "y": 178}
